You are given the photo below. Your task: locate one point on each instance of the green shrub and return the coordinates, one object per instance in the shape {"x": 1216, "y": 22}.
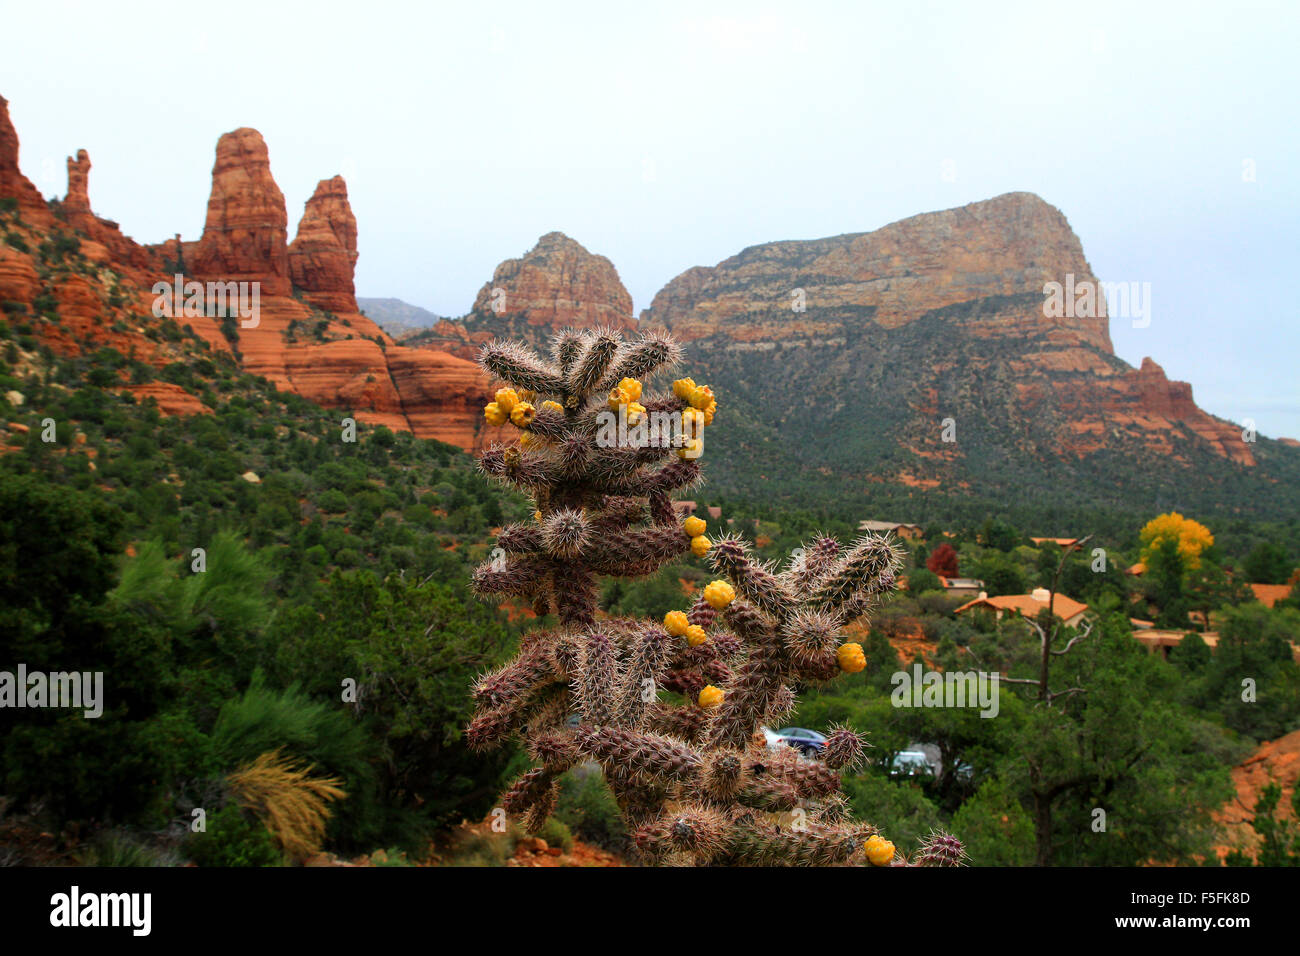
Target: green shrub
{"x": 316, "y": 730}
{"x": 994, "y": 827}
{"x": 555, "y": 833}
{"x": 233, "y": 838}
{"x": 588, "y": 810}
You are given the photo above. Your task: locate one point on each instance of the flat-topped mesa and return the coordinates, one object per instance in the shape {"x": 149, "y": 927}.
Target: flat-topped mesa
{"x": 245, "y": 235}
{"x": 13, "y": 184}
{"x": 1008, "y": 246}
{"x": 557, "y": 284}
{"x": 323, "y": 255}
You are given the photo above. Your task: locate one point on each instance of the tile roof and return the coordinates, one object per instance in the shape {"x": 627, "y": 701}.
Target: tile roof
{"x": 1028, "y": 605}
{"x": 1270, "y": 594}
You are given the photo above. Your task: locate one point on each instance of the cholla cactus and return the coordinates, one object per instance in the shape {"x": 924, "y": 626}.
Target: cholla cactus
{"x": 693, "y": 776}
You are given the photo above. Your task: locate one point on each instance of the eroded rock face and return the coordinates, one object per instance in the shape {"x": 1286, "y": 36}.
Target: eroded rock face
{"x": 1008, "y": 246}
{"x": 336, "y": 357}
{"x": 78, "y": 197}
{"x": 19, "y": 281}
{"x": 245, "y": 235}
{"x": 556, "y": 284}
{"x": 104, "y": 242}
{"x": 950, "y": 314}
{"x": 13, "y": 184}
{"x": 323, "y": 255}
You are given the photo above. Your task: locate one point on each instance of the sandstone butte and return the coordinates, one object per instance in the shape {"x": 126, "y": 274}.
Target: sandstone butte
{"x": 986, "y": 263}
{"x": 355, "y": 366}
{"x": 555, "y": 285}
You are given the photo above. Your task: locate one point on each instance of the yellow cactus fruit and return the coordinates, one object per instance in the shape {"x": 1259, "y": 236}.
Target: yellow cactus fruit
{"x": 634, "y": 412}
{"x": 692, "y": 421}
{"x": 523, "y": 414}
{"x": 701, "y": 396}
{"x": 719, "y": 594}
{"x": 683, "y": 387}
{"x": 537, "y": 516}
{"x": 632, "y": 387}
{"x": 693, "y": 526}
{"x": 618, "y": 397}
{"x": 553, "y": 406}
{"x": 851, "y": 658}
{"x": 712, "y": 696}
{"x": 700, "y": 545}
{"x": 693, "y": 449}
{"x": 696, "y": 635}
{"x": 507, "y": 398}
{"x": 879, "y": 850}
{"x": 709, "y": 411}
{"x": 675, "y": 623}
{"x": 527, "y": 440}
{"x": 495, "y": 414}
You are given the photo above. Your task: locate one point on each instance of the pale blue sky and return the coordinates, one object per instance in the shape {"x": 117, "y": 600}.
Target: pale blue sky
{"x": 671, "y": 135}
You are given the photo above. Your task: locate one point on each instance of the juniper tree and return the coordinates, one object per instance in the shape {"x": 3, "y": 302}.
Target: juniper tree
{"x": 672, "y": 711}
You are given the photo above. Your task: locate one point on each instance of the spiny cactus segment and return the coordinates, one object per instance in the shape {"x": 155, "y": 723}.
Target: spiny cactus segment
{"x": 672, "y": 711}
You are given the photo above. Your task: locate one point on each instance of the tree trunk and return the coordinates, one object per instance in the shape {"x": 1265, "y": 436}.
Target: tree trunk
{"x": 1042, "y": 829}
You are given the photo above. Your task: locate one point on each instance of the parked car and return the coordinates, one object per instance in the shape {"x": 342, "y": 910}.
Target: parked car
{"x": 807, "y": 742}
{"x": 911, "y": 763}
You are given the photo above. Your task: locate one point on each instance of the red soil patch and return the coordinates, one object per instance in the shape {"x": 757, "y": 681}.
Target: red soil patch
{"x": 1276, "y": 760}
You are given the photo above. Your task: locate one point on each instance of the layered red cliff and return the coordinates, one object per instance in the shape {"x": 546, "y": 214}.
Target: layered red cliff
{"x": 555, "y": 285}
{"x": 315, "y": 342}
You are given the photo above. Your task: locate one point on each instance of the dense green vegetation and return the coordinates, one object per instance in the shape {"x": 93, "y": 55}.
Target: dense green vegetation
{"x": 842, "y": 418}
{"x": 320, "y": 609}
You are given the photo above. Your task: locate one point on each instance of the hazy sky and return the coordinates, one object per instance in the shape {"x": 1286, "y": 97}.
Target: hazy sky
{"x": 670, "y": 135}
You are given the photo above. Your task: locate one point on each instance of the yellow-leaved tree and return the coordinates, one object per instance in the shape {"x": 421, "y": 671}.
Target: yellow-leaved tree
{"x": 1191, "y": 537}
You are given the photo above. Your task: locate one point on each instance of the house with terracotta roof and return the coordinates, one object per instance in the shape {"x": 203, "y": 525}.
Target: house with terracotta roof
{"x": 1068, "y": 610}
{"x": 962, "y": 587}
{"x": 898, "y": 528}
{"x": 1066, "y": 543}
{"x": 1270, "y": 594}
{"x": 1163, "y": 641}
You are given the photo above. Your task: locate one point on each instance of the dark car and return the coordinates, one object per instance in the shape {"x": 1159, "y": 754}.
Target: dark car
{"x": 807, "y": 742}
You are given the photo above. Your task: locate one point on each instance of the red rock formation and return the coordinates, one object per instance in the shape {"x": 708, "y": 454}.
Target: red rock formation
{"x": 1146, "y": 398}
{"x": 13, "y": 184}
{"x": 1275, "y": 761}
{"x": 450, "y": 336}
{"x": 19, "y": 281}
{"x": 977, "y": 276}
{"x": 442, "y": 395}
{"x": 245, "y": 235}
{"x": 103, "y": 240}
{"x": 324, "y": 253}
{"x": 1007, "y": 246}
{"x": 171, "y": 399}
{"x": 556, "y": 284}
{"x": 78, "y": 197}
